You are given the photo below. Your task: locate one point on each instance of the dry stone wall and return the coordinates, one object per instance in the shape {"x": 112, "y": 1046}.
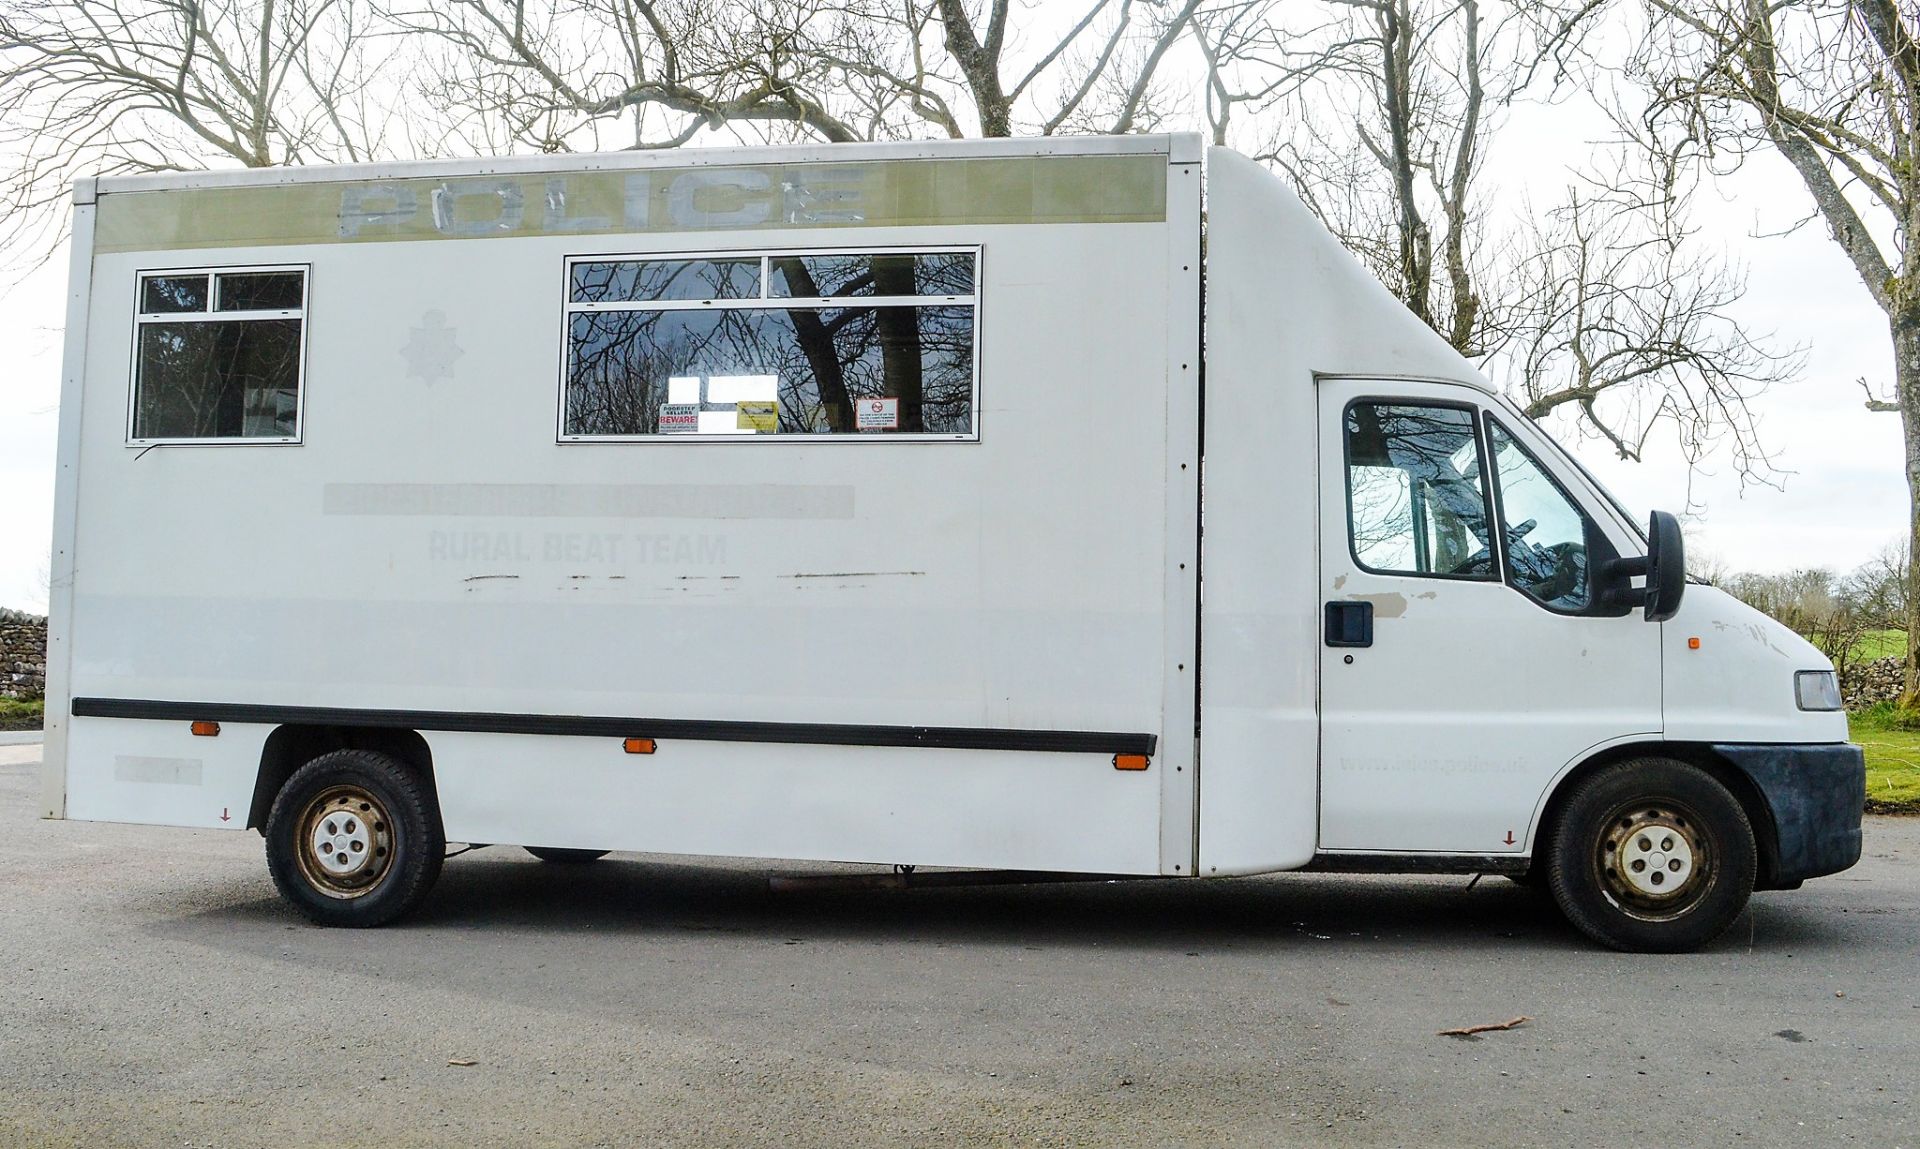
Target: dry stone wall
{"x": 1876, "y": 681}
{"x": 23, "y": 655}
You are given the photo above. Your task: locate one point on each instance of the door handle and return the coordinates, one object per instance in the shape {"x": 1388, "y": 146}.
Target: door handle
{"x": 1349, "y": 623}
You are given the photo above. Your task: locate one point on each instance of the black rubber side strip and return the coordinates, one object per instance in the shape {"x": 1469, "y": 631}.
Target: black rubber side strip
{"x": 1418, "y": 864}
{"x": 699, "y": 730}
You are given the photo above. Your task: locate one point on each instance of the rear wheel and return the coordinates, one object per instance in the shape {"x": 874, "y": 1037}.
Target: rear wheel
{"x": 1653, "y": 856}
{"x": 354, "y": 839}
{"x": 567, "y": 857}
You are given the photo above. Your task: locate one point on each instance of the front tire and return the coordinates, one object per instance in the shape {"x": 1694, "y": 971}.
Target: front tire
{"x": 1652, "y": 856}
{"x": 354, "y": 839}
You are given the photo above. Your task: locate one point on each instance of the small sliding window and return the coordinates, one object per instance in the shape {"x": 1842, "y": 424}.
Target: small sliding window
{"x": 745, "y": 346}
{"x": 218, "y": 355}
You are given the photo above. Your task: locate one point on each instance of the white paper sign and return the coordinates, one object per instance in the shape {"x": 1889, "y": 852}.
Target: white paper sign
{"x": 876, "y": 414}
{"x": 679, "y": 418}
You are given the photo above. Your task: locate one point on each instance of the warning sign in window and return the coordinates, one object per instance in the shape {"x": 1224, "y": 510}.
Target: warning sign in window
{"x": 760, "y": 418}
{"x": 680, "y": 418}
{"x": 876, "y": 414}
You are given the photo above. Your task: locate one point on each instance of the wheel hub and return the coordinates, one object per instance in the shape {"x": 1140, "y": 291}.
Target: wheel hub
{"x": 1656, "y": 859}
{"x": 1653, "y": 856}
{"x": 343, "y": 842}
{"x": 346, "y": 842}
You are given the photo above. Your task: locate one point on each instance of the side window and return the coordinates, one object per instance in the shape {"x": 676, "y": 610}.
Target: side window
{"x": 1545, "y": 532}
{"x": 218, "y": 355}
{"x": 845, "y": 343}
{"x": 1416, "y": 498}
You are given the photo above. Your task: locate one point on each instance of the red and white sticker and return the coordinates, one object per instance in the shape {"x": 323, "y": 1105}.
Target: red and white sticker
{"x": 876, "y": 414}
{"x": 679, "y": 418}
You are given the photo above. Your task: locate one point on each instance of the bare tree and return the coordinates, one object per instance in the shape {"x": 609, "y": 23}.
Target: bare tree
{"x": 1613, "y": 313}
{"x": 563, "y": 74}
{"x": 111, "y": 87}
{"x": 1832, "y": 87}
{"x": 646, "y": 73}
{"x": 1097, "y": 76}
{"x": 1879, "y": 587}
{"x": 1383, "y": 113}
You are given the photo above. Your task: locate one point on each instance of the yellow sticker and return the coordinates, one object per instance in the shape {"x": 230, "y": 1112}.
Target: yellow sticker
{"x": 761, "y": 417}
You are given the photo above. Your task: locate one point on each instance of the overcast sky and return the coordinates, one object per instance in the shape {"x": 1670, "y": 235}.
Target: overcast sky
{"x": 1844, "y": 497}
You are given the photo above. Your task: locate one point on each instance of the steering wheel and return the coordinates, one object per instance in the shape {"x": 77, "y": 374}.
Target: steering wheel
{"x": 1557, "y": 571}
{"x": 1479, "y": 564}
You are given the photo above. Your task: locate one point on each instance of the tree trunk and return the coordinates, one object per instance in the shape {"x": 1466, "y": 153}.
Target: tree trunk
{"x": 816, "y": 342}
{"x": 1906, "y": 374}
{"x": 900, "y": 341}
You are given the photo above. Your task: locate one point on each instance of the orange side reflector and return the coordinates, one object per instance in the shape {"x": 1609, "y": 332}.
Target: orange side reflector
{"x": 205, "y": 729}
{"x": 1693, "y": 644}
{"x": 1129, "y": 761}
{"x": 639, "y": 745}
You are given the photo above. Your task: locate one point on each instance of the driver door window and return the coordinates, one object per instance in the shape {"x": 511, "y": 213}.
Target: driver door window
{"x": 1416, "y": 491}
{"x": 1546, "y": 534}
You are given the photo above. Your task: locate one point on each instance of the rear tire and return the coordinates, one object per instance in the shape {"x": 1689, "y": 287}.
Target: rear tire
{"x": 354, "y": 839}
{"x": 565, "y": 856}
{"x": 1652, "y": 856}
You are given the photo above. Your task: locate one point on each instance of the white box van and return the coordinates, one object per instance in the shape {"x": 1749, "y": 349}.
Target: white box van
{"x": 846, "y": 503}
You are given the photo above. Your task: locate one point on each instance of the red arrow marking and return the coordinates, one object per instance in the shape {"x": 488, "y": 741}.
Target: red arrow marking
{"x": 225, "y": 817}
{"x": 1509, "y": 837}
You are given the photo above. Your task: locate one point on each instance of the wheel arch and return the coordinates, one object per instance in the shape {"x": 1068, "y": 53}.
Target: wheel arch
{"x": 1766, "y": 838}
{"x": 292, "y": 746}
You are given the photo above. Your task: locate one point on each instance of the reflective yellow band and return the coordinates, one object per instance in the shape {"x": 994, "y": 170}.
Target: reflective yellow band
{"x": 876, "y": 193}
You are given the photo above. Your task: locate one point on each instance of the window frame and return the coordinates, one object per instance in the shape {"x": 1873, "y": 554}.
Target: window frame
{"x": 141, "y": 319}
{"x": 1496, "y": 544}
{"x": 768, "y": 302}
{"x": 1600, "y": 549}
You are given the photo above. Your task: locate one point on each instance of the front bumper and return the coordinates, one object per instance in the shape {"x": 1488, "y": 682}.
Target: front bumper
{"x": 1816, "y": 794}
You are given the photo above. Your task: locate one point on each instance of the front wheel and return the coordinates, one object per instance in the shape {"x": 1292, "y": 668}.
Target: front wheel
{"x": 354, "y": 839}
{"x": 1652, "y": 856}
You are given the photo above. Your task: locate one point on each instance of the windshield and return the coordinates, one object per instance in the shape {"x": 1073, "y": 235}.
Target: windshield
{"x": 1634, "y": 523}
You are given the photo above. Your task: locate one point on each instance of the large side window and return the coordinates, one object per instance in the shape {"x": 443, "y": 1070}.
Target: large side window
{"x": 1416, "y": 495}
{"x": 217, "y": 355}
{"x": 1546, "y": 533}
{"x": 819, "y": 344}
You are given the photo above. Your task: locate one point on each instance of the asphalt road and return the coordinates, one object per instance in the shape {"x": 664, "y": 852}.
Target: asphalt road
{"x": 154, "y": 992}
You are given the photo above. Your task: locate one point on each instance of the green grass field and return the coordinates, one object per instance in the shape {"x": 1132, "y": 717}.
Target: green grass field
{"x": 1892, "y": 743}
{"x": 1880, "y": 644}
{"x": 16, "y": 714}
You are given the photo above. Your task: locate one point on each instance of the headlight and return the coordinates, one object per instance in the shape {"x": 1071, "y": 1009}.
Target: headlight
{"x": 1816, "y": 690}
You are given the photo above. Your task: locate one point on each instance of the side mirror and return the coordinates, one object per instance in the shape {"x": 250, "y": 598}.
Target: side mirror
{"x": 1666, "y": 566}
{"x": 1665, "y": 569}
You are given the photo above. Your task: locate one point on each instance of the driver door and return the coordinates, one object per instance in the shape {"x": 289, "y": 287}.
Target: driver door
{"x": 1466, "y": 659}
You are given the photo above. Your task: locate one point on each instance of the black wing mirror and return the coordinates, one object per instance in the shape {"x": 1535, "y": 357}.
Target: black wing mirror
{"x": 1664, "y": 567}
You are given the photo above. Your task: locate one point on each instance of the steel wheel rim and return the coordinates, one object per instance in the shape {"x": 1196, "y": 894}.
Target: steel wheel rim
{"x": 344, "y": 842}
{"x": 1654, "y": 859}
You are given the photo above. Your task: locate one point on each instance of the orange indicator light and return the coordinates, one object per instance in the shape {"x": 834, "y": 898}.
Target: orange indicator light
{"x": 639, "y": 745}
{"x": 1693, "y": 644}
{"x": 1129, "y": 761}
{"x": 205, "y": 729}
